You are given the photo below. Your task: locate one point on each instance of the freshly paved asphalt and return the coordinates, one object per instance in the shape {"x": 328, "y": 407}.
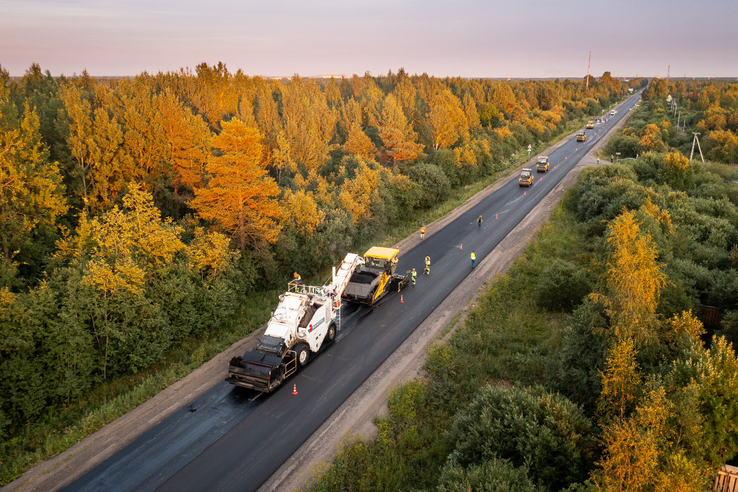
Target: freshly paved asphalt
{"x": 225, "y": 441}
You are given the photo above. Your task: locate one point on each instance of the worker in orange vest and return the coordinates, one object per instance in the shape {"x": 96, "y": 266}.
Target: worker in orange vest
{"x": 422, "y": 232}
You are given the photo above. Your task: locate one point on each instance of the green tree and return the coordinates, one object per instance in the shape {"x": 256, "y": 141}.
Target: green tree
{"x": 529, "y": 427}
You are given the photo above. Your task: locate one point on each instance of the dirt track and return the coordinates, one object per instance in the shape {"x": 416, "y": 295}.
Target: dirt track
{"x": 356, "y": 415}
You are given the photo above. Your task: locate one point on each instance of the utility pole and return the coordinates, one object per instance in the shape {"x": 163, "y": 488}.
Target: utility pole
{"x": 668, "y": 73}
{"x": 698, "y": 146}
{"x": 589, "y": 60}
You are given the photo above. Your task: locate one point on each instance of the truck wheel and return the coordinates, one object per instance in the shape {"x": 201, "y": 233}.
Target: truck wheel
{"x": 303, "y": 354}
{"x": 331, "y": 335}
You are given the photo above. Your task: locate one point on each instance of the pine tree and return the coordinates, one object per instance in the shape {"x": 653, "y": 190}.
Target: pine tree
{"x": 239, "y": 196}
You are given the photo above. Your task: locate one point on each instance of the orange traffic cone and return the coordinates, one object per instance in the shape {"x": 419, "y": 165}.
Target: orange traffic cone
{"x": 294, "y": 389}
{"x": 524, "y": 193}
{"x": 402, "y": 301}
{"x": 461, "y": 247}
{"x": 495, "y": 216}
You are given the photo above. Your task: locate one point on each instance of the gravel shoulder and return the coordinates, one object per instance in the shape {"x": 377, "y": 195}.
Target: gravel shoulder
{"x": 356, "y": 415}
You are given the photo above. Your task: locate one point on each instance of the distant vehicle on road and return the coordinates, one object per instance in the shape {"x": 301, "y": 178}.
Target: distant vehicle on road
{"x": 590, "y": 125}
{"x": 542, "y": 164}
{"x": 612, "y": 112}
{"x": 526, "y": 177}
{"x": 581, "y": 136}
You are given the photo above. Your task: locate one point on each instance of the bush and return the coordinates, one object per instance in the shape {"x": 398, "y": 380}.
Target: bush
{"x": 562, "y": 286}
{"x": 528, "y": 426}
{"x": 584, "y": 343}
{"x": 494, "y": 475}
{"x": 627, "y": 145}
{"x": 432, "y": 182}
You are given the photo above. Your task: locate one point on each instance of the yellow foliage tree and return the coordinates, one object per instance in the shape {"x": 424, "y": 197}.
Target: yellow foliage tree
{"x": 358, "y": 143}
{"x": 209, "y": 253}
{"x": 683, "y": 326}
{"x": 446, "y": 119}
{"x": 634, "y": 279}
{"x": 651, "y": 139}
{"x": 31, "y": 190}
{"x": 357, "y": 194}
{"x": 620, "y": 381}
{"x": 630, "y": 458}
{"x": 640, "y": 454}
{"x": 119, "y": 251}
{"x": 397, "y": 136}
{"x": 240, "y": 197}
{"x": 188, "y": 140}
{"x": 301, "y": 212}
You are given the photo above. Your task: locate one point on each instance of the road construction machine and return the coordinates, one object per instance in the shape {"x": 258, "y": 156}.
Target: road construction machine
{"x": 526, "y": 177}
{"x": 375, "y": 277}
{"x": 306, "y": 319}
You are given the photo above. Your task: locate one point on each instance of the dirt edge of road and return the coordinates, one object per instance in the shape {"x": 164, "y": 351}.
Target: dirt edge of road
{"x": 356, "y": 415}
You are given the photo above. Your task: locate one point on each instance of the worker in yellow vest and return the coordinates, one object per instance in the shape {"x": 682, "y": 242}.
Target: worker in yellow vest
{"x": 427, "y": 265}
{"x": 473, "y": 258}
{"x": 413, "y": 276}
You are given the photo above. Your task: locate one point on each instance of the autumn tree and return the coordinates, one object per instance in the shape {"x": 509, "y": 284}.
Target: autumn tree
{"x": 309, "y": 123}
{"x": 239, "y": 196}
{"x": 361, "y": 190}
{"x": 95, "y": 142}
{"x": 188, "y": 140}
{"x": 397, "y": 136}
{"x": 358, "y": 143}
{"x": 620, "y": 380}
{"x": 634, "y": 279}
{"x": 118, "y": 252}
{"x": 32, "y": 192}
{"x": 446, "y": 119}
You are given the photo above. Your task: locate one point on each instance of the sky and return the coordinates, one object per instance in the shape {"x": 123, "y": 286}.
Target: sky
{"x": 466, "y": 38}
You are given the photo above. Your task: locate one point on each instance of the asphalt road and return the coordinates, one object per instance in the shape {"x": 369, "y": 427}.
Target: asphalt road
{"x": 228, "y": 440}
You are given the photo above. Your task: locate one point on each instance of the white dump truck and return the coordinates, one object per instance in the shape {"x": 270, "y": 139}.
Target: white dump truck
{"x": 306, "y": 318}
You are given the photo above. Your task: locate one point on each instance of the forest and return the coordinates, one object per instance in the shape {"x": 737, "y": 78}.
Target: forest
{"x": 591, "y": 365}
{"x": 141, "y": 212}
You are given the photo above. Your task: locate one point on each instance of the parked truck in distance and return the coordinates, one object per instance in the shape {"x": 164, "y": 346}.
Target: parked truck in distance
{"x": 306, "y": 318}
